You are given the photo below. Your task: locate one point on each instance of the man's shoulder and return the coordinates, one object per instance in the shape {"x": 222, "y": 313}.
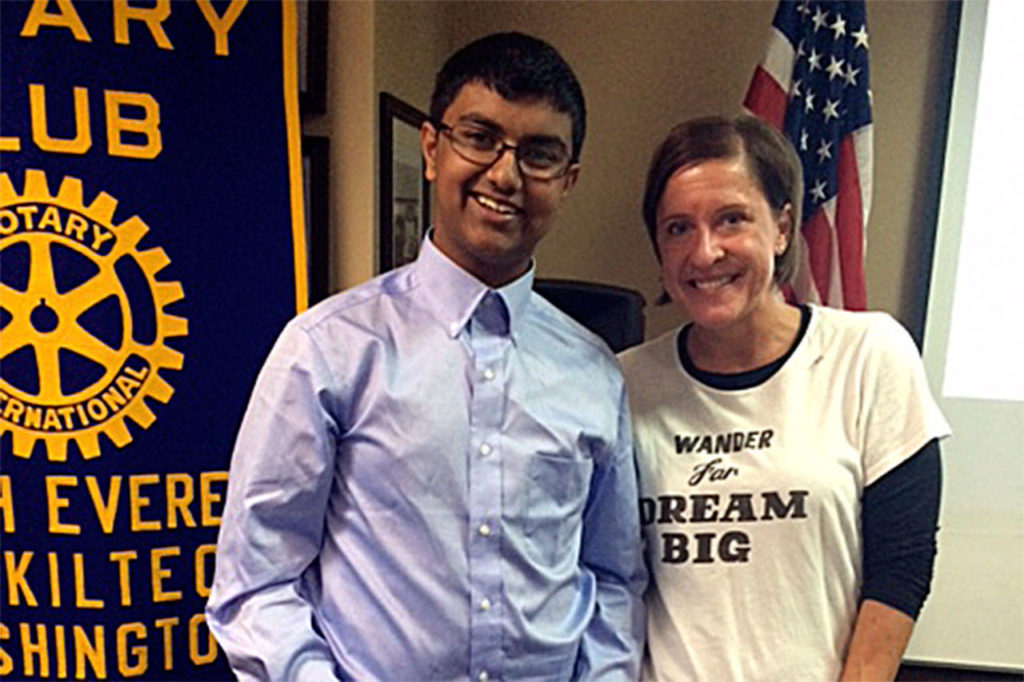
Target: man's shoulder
{"x": 360, "y": 303}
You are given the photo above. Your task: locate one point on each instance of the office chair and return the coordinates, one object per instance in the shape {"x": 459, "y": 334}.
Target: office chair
{"x": 616, "y": 314}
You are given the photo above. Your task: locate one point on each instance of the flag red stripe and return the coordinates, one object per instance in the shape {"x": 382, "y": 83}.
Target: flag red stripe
{"x": 766, "y": 98}
{"x": 849, "y": 229}
{"x": 813, "y": 113}
{"x": 818, "y": 238}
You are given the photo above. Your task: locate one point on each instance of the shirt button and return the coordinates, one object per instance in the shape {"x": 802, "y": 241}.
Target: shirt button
{"x": 485, "y": 604}
{"x": 484, "y": 529}
{"x": 485, "y": 449}
{"x": 482, "y": 676}
{"x": 453, "y": 328}
{"x": 488, "y": 374}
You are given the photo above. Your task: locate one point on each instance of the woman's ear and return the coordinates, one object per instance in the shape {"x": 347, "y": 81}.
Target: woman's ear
{"x": 784, "y": 226}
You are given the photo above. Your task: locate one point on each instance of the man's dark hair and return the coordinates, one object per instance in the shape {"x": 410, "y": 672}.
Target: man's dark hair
{"x": 517, "y": 67}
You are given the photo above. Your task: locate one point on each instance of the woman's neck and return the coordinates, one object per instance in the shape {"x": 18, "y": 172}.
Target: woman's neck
{"x": 753, "y": 342}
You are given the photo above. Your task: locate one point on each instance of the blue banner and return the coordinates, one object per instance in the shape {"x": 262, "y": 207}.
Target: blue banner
{"x": 151, "y": 247}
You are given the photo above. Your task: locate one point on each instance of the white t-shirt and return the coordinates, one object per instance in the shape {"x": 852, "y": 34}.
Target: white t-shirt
{"x": 750, "y": 498}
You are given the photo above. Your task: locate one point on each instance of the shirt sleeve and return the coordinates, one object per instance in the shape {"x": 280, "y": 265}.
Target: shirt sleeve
{"x": 897, "y": 412}
{"x": 899, "y": 519}
{"x": 614, "y": 640}
{"x": 271, "y": 530}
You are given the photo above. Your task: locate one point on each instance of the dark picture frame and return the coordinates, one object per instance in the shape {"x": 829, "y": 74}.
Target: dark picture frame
{"x": 404, "y": 191}
{"x": 312, "y": 46}
{"x": 316, "y": 189}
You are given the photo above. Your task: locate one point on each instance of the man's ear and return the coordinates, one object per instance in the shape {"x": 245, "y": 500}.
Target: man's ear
{"x": 571, "y": 176}
{"x": 428, "y": 145}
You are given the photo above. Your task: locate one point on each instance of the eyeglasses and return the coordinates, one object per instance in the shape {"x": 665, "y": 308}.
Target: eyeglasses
{"x": 540, "y": 160}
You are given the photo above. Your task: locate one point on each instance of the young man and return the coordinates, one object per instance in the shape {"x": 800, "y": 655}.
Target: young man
{"x": 434, "y": 478}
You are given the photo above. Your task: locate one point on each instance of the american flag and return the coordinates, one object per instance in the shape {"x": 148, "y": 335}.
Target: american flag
{"x": 813, "y": 85}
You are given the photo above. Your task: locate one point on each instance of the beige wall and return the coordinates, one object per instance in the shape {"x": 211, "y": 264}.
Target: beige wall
{"x": 413, "y": 40}
{"x": 906, "y": 69}
{"x": 350, "y": 122}
{"x": 644, "y": 66}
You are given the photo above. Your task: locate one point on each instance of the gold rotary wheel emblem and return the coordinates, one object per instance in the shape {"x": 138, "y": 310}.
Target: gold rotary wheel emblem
{"x": 82, "y": 321}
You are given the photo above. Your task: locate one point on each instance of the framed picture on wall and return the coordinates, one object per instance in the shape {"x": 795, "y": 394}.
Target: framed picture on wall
{"x": 404, "y": 191}
{"x": 312, "y": 45}
{"x": 316, "y": 186}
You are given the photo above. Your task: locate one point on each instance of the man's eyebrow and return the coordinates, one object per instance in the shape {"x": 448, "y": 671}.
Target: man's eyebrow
{"x": 481, "y": 121}
{"x": 545, "y": 139}
{"x": 493, "y": 126}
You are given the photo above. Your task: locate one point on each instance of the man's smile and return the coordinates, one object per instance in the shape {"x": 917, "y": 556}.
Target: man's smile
{"x": 496, "y": 205}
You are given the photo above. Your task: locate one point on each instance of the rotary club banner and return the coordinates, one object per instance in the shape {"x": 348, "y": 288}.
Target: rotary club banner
{"x": 151, "y": 247}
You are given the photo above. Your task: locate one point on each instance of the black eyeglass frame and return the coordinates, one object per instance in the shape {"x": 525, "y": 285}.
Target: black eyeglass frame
{"x": 444, "y": 128}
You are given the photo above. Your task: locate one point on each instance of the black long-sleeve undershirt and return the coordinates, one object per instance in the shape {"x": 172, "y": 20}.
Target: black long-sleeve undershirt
{"x": 899, "y": 519}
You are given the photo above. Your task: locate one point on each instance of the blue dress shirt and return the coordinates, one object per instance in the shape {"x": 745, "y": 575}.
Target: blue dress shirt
{"x": 433, "y": 480}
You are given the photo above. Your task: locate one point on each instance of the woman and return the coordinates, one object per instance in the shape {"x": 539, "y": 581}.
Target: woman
{"x": 788, "y": 461}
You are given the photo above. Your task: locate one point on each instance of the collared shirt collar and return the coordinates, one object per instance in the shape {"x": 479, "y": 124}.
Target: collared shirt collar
{"x": 452, "y": 294}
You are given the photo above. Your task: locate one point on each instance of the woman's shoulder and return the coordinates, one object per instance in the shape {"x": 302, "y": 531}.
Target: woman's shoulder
{"x": 653, "y": 355}
{"x": 876, "y": 325}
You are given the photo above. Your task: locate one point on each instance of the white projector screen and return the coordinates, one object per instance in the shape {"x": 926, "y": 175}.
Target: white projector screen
{"x": 974, "y": 353}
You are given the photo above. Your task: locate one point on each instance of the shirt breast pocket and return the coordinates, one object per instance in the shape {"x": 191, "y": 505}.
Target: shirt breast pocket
{"x": 556, "y": 495}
